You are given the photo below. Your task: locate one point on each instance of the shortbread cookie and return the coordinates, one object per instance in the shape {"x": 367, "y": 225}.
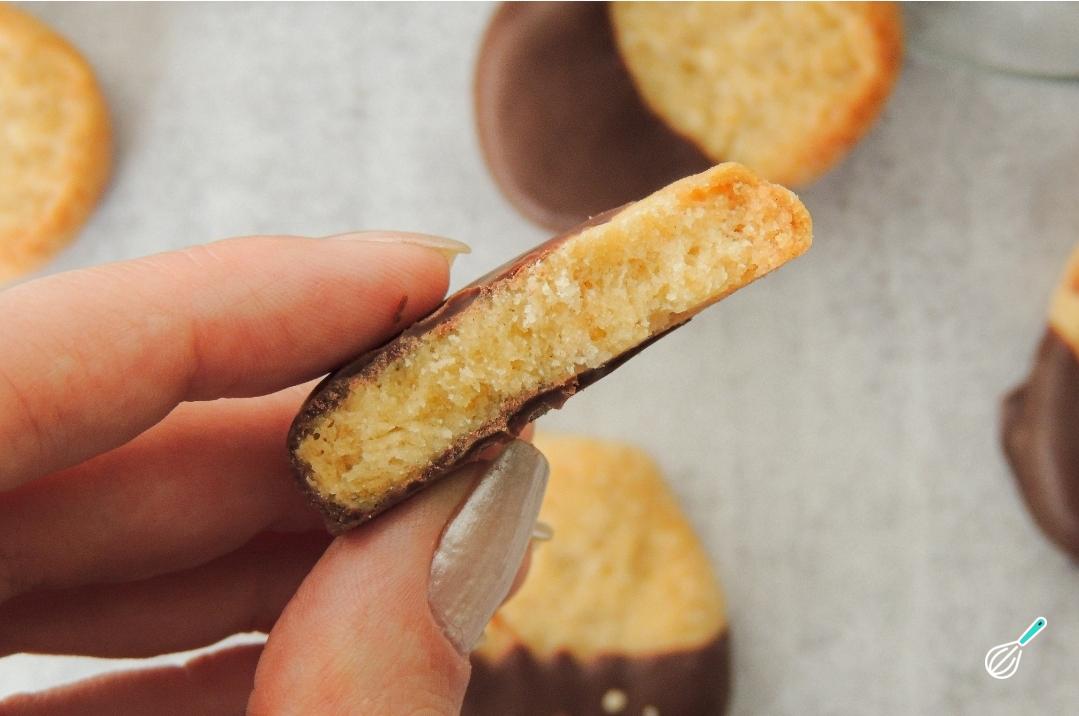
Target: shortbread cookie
{"x": 561, "y": 125}
{"x": 621, "y": 612}
{"x": 54, "y": 142}
{"x": 1041, "y": 420}
{"x": 784, "y": 88}
{"x": 574, "y": 117}
{"x": 526, "y": 337}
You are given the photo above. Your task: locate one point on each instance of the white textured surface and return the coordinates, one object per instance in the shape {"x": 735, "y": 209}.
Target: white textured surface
{"x": 832, "y": 429}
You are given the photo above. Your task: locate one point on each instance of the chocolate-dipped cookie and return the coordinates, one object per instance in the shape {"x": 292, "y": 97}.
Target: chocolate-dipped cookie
{"x": 1041, "y": 420}
{"x": 526, "y": 337}
{"x": 621, "y": 612}
{"x": 561, "y": 125}
{"x": 582, "y": 106}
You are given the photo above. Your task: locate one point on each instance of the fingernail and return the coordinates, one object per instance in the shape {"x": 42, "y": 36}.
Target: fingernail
{"x": 450, "y": 248}
{"x": 483, "y": 544}
{"x": 542, "y": 532}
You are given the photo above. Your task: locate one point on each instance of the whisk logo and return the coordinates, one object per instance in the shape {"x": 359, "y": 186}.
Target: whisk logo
{"x": 1002, "y": 661}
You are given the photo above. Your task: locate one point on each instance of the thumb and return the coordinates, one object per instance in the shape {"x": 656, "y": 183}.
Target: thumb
{"x": 384, "y": 622}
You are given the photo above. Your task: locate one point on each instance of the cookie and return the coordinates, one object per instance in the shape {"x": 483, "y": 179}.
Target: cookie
{"x": 784, "y": 88}
{"x": 526, "y": 337}
{"x": 1041, "y": 420}
{"x": 561, "y": 125}
{"x": 621, "y": 612}
{"x": 55, "y": 145}
{"x": 582, "y": 106}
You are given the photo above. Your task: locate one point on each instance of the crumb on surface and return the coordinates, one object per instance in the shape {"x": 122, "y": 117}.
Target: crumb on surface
{"x": 614, "y": 701}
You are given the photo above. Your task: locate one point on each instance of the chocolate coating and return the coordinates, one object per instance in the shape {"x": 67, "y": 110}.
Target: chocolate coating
{"x": 1041, "y": 440}
{"x": 690, "y": 683}
{"x": 329, "y": 393}
{"x": 561, "y": 124}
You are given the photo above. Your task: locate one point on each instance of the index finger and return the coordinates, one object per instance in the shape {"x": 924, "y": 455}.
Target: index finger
{"x": 94, "y": 357}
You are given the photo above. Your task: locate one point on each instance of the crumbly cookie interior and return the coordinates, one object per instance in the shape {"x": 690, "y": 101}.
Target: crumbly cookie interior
{"x": 594, "y": 297}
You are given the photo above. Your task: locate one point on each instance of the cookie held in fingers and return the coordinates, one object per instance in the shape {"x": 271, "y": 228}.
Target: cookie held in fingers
{"x": 55, "y": 147}
{"x": 526, "y": 337}
{"x": 1041, "y": 420}
{"x": 621, "y": 612}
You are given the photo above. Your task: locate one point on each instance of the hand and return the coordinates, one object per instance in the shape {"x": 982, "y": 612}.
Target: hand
{"x": 147, "y": 506}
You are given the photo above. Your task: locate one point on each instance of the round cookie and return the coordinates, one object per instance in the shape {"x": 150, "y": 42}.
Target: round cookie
{"x": 621, "y": 612}
{"x": 55, "y": 142}
{"x": 576, "y": 116}
{"x": 784, "y": 88}
{"x": 1041, "y": 420}
{"x": 560, "y": 123}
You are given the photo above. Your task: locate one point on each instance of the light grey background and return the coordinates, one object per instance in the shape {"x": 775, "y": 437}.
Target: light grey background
{"x": 832, "y": 430}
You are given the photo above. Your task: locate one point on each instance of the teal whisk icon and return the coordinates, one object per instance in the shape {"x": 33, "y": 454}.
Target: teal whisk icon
{"x": 1002, "y": 661}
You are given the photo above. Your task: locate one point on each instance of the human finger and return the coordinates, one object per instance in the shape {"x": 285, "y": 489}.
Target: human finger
{"x": 94, "y": 357}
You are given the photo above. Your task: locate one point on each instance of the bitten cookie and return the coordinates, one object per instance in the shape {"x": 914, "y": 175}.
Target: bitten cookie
{"x": 528, "y": 336}
{"x": 54, "y": 142}
{"x": 583, "y": 106}
{"x": 1041, "y": 420}
{"x": 621, "y": 612}
{"x": 784, "y": 88}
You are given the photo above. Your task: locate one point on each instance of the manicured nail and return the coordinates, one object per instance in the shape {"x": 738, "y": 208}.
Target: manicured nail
{"x": 483, "y": 544}
{"x": 542, "y": 532}
{"x": 450, "y": 248}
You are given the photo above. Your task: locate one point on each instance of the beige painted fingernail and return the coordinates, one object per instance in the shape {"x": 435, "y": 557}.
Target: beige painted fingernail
{"x": 483, "y": 544}
{"x": 450, "y": 248}
{"x": 542, "y": 532}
